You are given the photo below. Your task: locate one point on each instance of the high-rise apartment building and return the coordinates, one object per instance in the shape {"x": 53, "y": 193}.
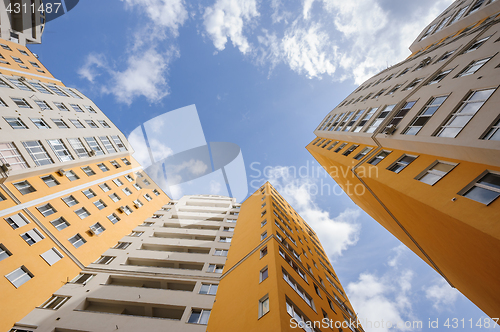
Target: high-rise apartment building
{"x": 205, "y": 263}
{"x": 69, "y": 188}
{"x": 417, "y": 147}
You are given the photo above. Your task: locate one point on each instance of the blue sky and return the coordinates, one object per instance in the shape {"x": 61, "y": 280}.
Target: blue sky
{"x": 262, "y": 75}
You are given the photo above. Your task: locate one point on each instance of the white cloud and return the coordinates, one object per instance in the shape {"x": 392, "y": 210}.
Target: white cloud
{"x": 215, "y": 187}
{"x": 169, "y": 14}
{"x": 379, "y": 301}
{"x": 336, "y": 234}
{"x": 399, "y": 251}
{"x": 307, "y": 4}
{"x": 227, "y": 19}
{"x": 159, "y": 150}
{"x": 279, "y": 14}
{"x": 442, "y": 295}
{"x": 90, "y": 70}
{"x": 195, "y": 167}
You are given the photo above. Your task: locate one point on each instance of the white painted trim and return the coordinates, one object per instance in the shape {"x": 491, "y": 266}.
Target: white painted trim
{"x": 63, "y": 193}
{"x": 29, "y": 74}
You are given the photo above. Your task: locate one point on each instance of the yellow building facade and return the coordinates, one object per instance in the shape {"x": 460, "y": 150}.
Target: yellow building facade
{"x": 416, "y": 147}
{"x": 69, "y": 188}
{"x": 277, "y": 276}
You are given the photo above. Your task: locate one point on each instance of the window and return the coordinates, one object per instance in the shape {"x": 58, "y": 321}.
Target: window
{"x": 425, "y": 115}
{"x": 19, "y": 276}
{"x": 126, "y": 209}
{"x": 263, "y": 223}
{"x": 263, "y": 252}
{"x": 46, "y": 209}
{"x": 58, "y": 92}
{"x": 16, "y": 59}
{"x": 88, "y": 170}
{"x": 89, "y": 193}
{"x": 49, "y": 180}
{"x": 401, "y": 163}
{"x": 55, "y": 302}
{"x": 485, "y": 190}
{"x": 127, "y": 191}
{"x": 494, "y": 132}
{"x": 60, "y": 124}
{"x": 350, "y": 150}
{"x": 118, "y": 183}
{"x": 136, "y": 233}
{"x": 90, "y": 109}
{"x": 429, "y": 30}
{"x": 60, "y": 223}
{"x": 363, "y": 153}
{"x": 380, "y": 118}
{"x": 469, "y": 107}
{"x": 71, "y": 175}
{"x": 199, "y": 316}
{"x": 113, "y": 218}
{"x": 341, "y": 146}
{"x": 40, "y": 123}
{"x": 97, "y": 228}
{"x": 70, "y": 92}
{"x": 40, "y": 87}
{"x": 118, "y": 142}
{"x": 22, "y": 86}
{"x": 77, "y": 145}
{"x": 107, "y": 144}
{"x": 122, "y": 245}
{"x": 32, "y": 236}
{"x": 156, "y": 192}
{"x": 104, "y": 124}
{"x": 476, "y": 45}
{"x": 209, "y": 289}
{"x": 115, "y": 164}
{"x": 401, "y": 113}
{"x": 220, "y": 252}
{"x": 439, "y": 76}
{"x": 60, "y": 150}
{"x": 228, "y": 229}
{"x": 103, "y": 167}
{"x": 379, "y": 157}
{"x": 76, "y": 123}
{"x": 394, "y": 89}
{"x": 9, "y": 154}
{"x": 77, "y": 240}
{"x": 459, "y": 14}
{"x": 476, "y": 6}
{"x": 5, "y": 47}
{"x": 213, "y": 268}
{"x": 263, "y": 306}
{"x": 82, "y": 213}
{"x": 61, "y": 107}
{"x": 16, "y": 123}
{"x": 225, "y": 239}
{"x": 38, "y": 153}
{"x": 114, "y": 197}
{"x": 83, "y": 278}
{"x": 126, "y": 161}
{"x": 4, "y": 253}
{"x": 306, "y": 297}
{"x": 353, "y": 120}
{"x": 435, "y": 172}
{"x": 473, "y": 67}
{"x": 263, "y": 235}
{"x": 138, "y": 203}
{"x": 52, "y": 256}
{"x": 24, "y": 187}
{"x": 136, "y": 186}
{"x": 129, "y": 178}
{"x": 76, "y": 107}
{"x": 94, "y": 146}
{"x": 379, "y": 93}
{"x": 100, "y": 204}
{"x": 105, "y": 260}
{"x": 147, "y": 197}
{"x": 413, "y": 84}
{"x": 104, "y": 187}
{"x": 17, "y": 220}
{"x": 264, "y": 273}
{"x": 445, "y": 56}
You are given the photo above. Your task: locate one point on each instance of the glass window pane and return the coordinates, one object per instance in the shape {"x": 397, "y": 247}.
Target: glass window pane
{"x": 482, "y": 195}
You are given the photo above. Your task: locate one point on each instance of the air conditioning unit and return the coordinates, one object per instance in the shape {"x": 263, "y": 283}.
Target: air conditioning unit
{"x": 390, "y": 129}
{"x": 426, "y": 61}
{"x": 6, "y": 168}
{"x": 92, "y": 153}
{"x": 137, "y": 205}
{"x": 121, "y": 209}
{"x": 61, "y": 172}
{"x": 91, "y": 232}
